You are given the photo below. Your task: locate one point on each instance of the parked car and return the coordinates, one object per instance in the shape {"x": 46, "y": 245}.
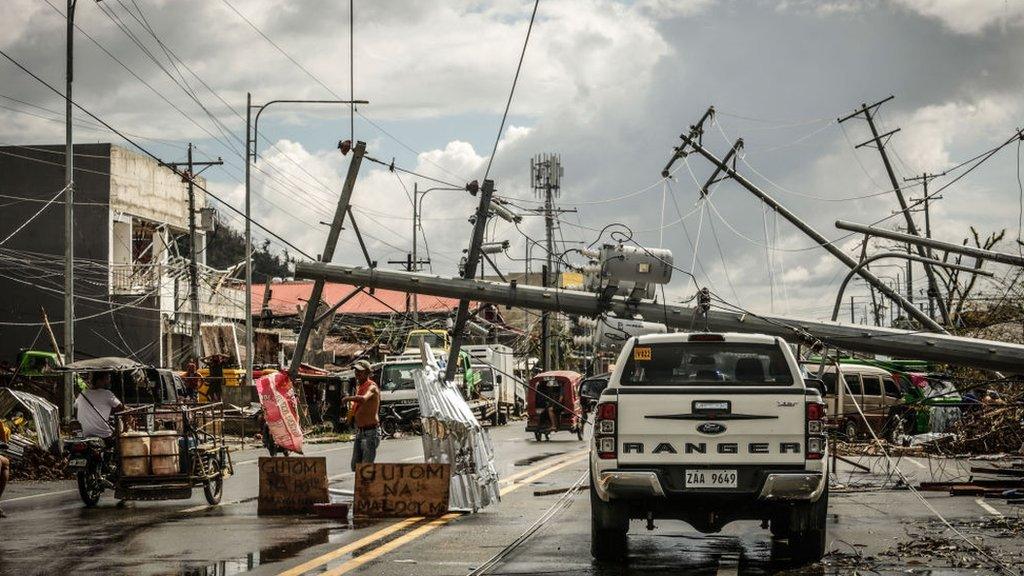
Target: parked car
{"x": 874, "y": 389}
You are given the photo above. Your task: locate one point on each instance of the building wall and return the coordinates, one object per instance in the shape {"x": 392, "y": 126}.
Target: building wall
{"x": 142, "y": 188}
{"x": 28, "y": 177}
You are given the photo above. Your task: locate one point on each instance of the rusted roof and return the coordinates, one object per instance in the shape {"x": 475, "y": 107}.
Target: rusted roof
{"x": 287, "y": 298}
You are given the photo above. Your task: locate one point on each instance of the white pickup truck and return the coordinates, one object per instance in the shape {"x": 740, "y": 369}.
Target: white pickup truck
{"x": 708, "y": 429}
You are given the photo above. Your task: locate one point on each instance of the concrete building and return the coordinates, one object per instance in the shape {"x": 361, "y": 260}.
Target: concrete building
{"x": 131, "y": 233}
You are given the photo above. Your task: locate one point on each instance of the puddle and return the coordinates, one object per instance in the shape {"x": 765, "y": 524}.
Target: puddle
{"x": 268, "y": 555}
{"x": 537, "y": 458}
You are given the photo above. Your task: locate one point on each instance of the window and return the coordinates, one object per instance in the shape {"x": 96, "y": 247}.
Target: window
{"x": 891, "y": 389}
{"x": 829, "y": 378}
{"x": 872, "y": 386}
{"x": 853, "y": 384}
{"x": 702, "y": 363}
{"x": 486, "y": 379}
{"x": 398, "y": 377}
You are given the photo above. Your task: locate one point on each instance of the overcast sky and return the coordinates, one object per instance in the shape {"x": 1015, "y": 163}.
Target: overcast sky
{"x": 608, "y": 85}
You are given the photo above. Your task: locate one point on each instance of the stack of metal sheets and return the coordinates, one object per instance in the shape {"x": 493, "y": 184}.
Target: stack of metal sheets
{"x": 452, "y": 435}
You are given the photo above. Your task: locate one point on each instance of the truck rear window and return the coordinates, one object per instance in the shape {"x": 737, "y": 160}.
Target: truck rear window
{"x": 703, "y": 363}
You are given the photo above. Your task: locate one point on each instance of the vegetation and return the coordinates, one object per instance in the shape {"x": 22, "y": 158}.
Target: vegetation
{"x": 226, "y": 247}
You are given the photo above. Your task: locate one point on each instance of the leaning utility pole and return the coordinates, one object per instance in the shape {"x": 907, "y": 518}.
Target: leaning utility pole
{"x": 69, "y": 218}
{"x": 692, "y": 143}
{"x": 876, "y": 139}
{"x": 468, "y": 272}
{"x": 313, "y": 304}
{"x": 193, "y": 266}
{"x": 546, "y": 176}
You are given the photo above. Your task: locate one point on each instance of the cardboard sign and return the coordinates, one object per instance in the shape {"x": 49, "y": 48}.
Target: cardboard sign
{"x": 292, "y": 485}
{"x": 401, "y": 490}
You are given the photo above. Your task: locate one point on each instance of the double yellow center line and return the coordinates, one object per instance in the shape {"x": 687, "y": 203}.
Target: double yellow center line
{"x": 510, "y": 484}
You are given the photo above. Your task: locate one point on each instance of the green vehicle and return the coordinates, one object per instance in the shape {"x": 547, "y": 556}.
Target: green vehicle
{"x": 38, "y": 372}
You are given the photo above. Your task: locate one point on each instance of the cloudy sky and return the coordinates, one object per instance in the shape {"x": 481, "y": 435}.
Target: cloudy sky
{"x": 607, "y": 84}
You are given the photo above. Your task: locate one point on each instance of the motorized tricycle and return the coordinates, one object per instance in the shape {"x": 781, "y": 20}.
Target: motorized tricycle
{"x": 553, "y": 404}
{"x": 156, "y": 453}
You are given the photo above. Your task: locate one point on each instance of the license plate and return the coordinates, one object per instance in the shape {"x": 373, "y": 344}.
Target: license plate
{"x": 77, "y": 463}
{"x": 710, "y": 478}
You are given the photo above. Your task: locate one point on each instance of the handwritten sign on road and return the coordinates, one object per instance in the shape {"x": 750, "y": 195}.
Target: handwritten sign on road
{"x": 401, "y": 490}
{"x": 292, "y": 485}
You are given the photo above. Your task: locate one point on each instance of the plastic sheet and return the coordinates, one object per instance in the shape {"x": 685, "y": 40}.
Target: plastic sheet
{"x": 280, "y": 408}
{"x": 452, "y": 435}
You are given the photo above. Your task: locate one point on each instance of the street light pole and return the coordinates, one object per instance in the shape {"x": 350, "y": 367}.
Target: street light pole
{"x": 69, "y": 218}
{"x": 252, "y": 127}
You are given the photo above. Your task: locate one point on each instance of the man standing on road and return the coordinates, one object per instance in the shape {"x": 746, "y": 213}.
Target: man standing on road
{"x": 364, "y": 407}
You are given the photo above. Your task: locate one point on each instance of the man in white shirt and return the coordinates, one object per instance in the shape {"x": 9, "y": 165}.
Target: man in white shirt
{"x": 94, "y": 406}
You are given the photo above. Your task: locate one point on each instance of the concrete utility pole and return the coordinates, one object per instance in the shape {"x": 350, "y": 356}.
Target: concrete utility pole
{"x": 692, "y": 142}
{"x": 472, "y": 261}
{"x": 876, "y": 139}
{"x": 979, "y": 253}
{"x": 984, "y": 354}
{"x": 69, "y": 217}
{"x": 193, "y": 265}
{"x": 344, "y": 202}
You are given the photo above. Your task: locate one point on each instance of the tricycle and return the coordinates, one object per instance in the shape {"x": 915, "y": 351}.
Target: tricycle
{"x": 553, "y": 404}
{"x": 156, "y": 453}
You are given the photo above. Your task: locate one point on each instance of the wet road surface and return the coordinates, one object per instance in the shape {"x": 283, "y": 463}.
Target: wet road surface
{"x": 870, "y": 530}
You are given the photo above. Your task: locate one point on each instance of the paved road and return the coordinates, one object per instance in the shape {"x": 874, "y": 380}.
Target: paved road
{"x": 50, "y": 533}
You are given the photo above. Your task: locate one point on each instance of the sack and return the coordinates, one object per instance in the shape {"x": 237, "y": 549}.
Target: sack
{"x": 280, "y": 409}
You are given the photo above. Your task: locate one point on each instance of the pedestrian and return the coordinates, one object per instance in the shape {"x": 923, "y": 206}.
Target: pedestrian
{"x": 365, "y": 405}
{"x": 193, "y": 379}
{"x": 5, "y": 464}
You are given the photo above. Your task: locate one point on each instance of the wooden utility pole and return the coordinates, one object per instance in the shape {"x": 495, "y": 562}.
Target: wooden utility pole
{"x": 877, "y": 141}
{"x": 924, "y": 201}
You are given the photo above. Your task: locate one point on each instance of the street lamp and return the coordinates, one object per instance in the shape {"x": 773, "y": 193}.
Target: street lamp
{"x": 417, "y": 209}
{"x": 251, "y": 135}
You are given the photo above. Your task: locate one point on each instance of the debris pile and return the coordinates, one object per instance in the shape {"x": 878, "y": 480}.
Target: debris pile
{"x": 990, "y": 429}
{"x": 30, "y": 462}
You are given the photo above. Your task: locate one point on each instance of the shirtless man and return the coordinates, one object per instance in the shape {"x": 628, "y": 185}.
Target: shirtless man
{"x": 365, "y": 405}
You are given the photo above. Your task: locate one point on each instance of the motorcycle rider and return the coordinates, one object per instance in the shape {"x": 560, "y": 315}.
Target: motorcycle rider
{"x": 94, "y": 406}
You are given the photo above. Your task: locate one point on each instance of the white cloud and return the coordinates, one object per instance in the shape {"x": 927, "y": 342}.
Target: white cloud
{"x": 969, "y": 16}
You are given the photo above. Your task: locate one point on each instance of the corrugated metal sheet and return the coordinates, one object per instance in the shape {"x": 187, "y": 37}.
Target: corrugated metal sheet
{"x": 452, "y": 435}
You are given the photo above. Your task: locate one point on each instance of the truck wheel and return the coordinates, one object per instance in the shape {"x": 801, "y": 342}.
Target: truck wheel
{"x": 609, "y": 525}
{"x": 808, "y": 544}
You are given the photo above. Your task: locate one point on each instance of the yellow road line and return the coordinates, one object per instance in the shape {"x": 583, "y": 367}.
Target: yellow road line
{"x": 512, "y": 483}
{"x": 349, "y": 548}
{"x": 543, "y": 473}
{"x": 530, "y": 470}
{"x": 397, "y": 542}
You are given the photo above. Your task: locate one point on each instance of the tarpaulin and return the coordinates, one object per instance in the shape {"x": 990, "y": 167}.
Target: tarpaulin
{"x": 280, "y": 408}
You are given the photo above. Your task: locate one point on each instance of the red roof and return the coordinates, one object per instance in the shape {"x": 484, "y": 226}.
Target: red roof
{"x": 286, "y": 298}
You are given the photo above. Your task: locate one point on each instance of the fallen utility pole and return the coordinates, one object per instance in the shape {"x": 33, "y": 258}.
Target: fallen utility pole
{"x": 193, "y": 265}
{"x": 468, "y": 272}
{"x": 984, "y": 354}
{"x": 933, "y": 286}
{"x": 911, "y": 310}
{"x": 344, "y": 200}
{"x": 980, "y": 253}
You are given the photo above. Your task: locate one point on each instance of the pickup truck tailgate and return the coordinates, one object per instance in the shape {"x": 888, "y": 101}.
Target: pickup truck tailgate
{"x": 684, "y": 425}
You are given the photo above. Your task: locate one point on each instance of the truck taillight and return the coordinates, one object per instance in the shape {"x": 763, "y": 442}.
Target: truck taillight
{"x": 605, "y": 438}
{"x": 815, "y": 431}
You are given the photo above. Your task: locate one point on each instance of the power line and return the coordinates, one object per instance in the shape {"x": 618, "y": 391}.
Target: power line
{"x": 511, "y": 93}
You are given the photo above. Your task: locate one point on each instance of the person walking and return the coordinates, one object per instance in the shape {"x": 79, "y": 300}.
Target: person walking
{"x": 364, "y": 406}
